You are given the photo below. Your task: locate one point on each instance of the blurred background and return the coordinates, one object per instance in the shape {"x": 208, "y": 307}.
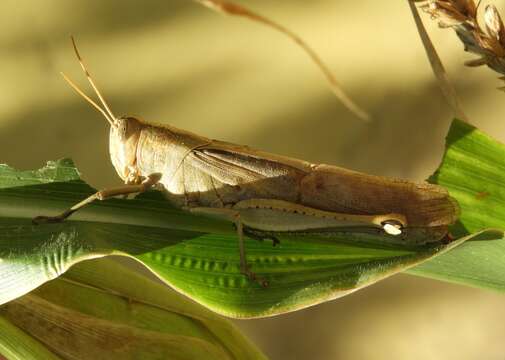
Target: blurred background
{"x": 176, "y": 62}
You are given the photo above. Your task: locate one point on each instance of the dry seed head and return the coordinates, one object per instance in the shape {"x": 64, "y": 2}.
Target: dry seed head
{"x": 451, "y": 12}
{"x": 466, "y": 8}
{"x": 476, "y": 62}
{"x": 486, "y": 40}
{"x": 494, "y": 24}
{"x": 493, "y": 39}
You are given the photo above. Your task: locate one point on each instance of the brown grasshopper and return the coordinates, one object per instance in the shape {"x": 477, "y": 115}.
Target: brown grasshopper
{"x": 263, "y": 193}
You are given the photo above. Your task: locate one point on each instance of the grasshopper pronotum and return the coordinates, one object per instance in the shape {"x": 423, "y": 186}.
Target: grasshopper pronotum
{"x": 263, "y": 193}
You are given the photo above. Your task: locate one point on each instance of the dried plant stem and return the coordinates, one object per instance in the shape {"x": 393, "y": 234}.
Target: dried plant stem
{"x": 236, "y": 10}
{"x": 438, "y": 68}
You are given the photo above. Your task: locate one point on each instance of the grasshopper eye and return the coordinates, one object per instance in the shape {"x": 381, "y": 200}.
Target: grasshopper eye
{"x": 392, "y": 227}
{"x": 121, "y": 127}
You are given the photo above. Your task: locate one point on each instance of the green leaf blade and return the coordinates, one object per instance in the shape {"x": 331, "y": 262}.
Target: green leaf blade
{"x": 101, "y": 309}
{"x": 473, "y": 170}
{"x": 197, "y": 256}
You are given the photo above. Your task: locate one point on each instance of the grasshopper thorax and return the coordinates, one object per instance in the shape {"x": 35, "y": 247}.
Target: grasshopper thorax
{"x": 123, "y": 140}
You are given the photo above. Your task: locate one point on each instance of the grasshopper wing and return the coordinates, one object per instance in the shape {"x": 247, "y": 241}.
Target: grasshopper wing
{"x": 243, "y": 173}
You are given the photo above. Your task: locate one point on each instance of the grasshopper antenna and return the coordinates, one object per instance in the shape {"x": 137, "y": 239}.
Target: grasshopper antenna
{"x": 90, "y": 79}
{"x": 80, "y": 92}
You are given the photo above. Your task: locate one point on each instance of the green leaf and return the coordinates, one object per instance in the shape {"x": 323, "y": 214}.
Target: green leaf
{"x": 102, "y": 309}
{"x": 196, "y": 256}
{"x": 473, "y": 170}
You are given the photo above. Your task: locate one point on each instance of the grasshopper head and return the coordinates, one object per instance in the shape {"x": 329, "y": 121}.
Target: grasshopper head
{"x": 123, "y": 140}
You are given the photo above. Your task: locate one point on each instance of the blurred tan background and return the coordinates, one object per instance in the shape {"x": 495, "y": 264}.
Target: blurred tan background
{"x": 227, "y": 78}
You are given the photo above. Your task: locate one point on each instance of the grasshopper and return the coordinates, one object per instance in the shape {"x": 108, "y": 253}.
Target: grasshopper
{"x": 263, "y": 193}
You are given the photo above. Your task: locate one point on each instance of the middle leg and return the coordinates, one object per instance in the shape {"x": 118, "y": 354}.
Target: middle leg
{"x": 233, "y": 216}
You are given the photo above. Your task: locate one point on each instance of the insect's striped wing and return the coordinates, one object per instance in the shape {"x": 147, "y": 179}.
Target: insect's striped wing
{"x": 244, "y": 174}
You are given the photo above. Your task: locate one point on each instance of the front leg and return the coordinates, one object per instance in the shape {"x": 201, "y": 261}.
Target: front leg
{"x": 104, "y": 194}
